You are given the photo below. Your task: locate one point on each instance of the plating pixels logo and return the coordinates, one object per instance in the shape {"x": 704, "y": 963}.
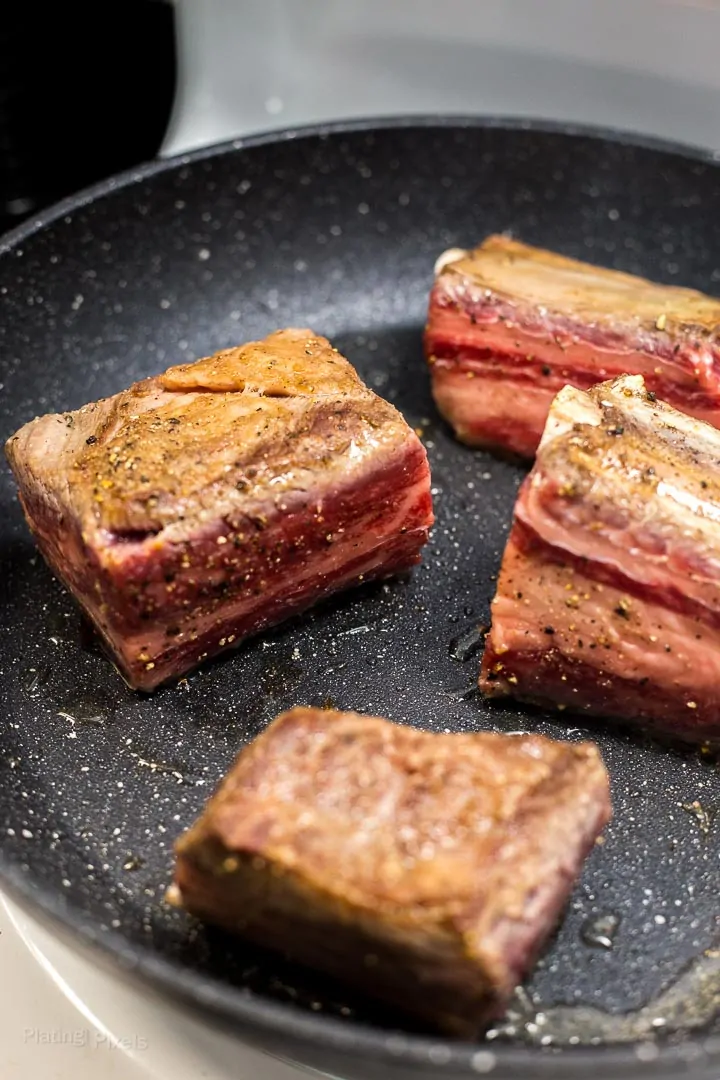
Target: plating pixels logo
{"x": 81, "y": 1037}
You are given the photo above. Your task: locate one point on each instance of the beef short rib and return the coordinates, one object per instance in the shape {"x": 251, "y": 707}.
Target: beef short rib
{"x": 510, "y": 325}
{"x": 426, "y": 870}
{"x": 608, "y": 599}
{"x": 202, "y": 505}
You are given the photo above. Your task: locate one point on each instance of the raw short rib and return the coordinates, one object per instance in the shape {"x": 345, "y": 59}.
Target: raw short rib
{"x": 510, "y": 325}
{"x": 608, "y": 599}
{"x": 207, "y": 503}
{"x": 426, "y": 870}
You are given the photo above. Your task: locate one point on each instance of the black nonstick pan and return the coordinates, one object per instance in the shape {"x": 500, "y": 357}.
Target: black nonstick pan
{"x": 338, "y": 228}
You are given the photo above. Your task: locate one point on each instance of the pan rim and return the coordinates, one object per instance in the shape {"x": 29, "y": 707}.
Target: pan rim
{"x": 231, "y": 1006}
{"x": 118, "y": 181}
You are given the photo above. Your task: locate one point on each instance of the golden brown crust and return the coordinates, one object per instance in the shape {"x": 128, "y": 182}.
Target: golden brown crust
{"x": 201, "y": 438}
{"x": 577, "y": 289}
{"x": 288, "y": 363}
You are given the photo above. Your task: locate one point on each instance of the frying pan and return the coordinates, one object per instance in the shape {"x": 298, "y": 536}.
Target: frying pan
{"x": 337, "y": 228}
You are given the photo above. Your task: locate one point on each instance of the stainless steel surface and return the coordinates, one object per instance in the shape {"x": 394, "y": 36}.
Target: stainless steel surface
{"x": 642, "y": 65}
{"x": 64, "y": 1019}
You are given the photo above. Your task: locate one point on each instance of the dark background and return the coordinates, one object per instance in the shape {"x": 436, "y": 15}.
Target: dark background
{"x": 86, "y": 89}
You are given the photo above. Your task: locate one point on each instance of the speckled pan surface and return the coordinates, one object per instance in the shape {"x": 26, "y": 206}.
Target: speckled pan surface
{"x": 338, "y": 230}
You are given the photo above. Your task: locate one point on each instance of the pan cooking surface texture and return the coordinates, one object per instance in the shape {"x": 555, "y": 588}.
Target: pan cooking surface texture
{"x": 337, "y": 231}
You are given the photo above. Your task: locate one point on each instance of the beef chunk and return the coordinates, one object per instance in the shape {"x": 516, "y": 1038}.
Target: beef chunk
{"x": 608, "y": 599}
{"x": 509, "y": 325}
{"x": 220, "y": 497}
{"x": 426, "y": 870}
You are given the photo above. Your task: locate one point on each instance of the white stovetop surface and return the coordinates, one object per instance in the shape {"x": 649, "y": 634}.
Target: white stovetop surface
{"x": 64, "y": 1019}
{"x": 649, "y": 65}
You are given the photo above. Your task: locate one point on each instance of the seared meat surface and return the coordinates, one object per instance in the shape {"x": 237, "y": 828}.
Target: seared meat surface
{"x": 608, "y": 599}
{"x": 509, "y": 325}
{"x": 426, "y": 870}
{"x": 206, "y": 503}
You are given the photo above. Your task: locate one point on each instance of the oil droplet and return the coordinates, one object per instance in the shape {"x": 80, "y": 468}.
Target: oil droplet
{"x": 599, "y": 931}
{"x": 465, "y": 693}
{"x": 688, "y": 1003}
{"x": 704, "y": 815}
{"x": 36, "y": 680}
{"x": 93, "y": 709}
{"x": 134, "y": 862}
{"x": 467, "y": 643}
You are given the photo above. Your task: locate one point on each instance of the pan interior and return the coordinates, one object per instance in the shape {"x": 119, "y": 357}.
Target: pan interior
{"x": 338, "y": 232}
